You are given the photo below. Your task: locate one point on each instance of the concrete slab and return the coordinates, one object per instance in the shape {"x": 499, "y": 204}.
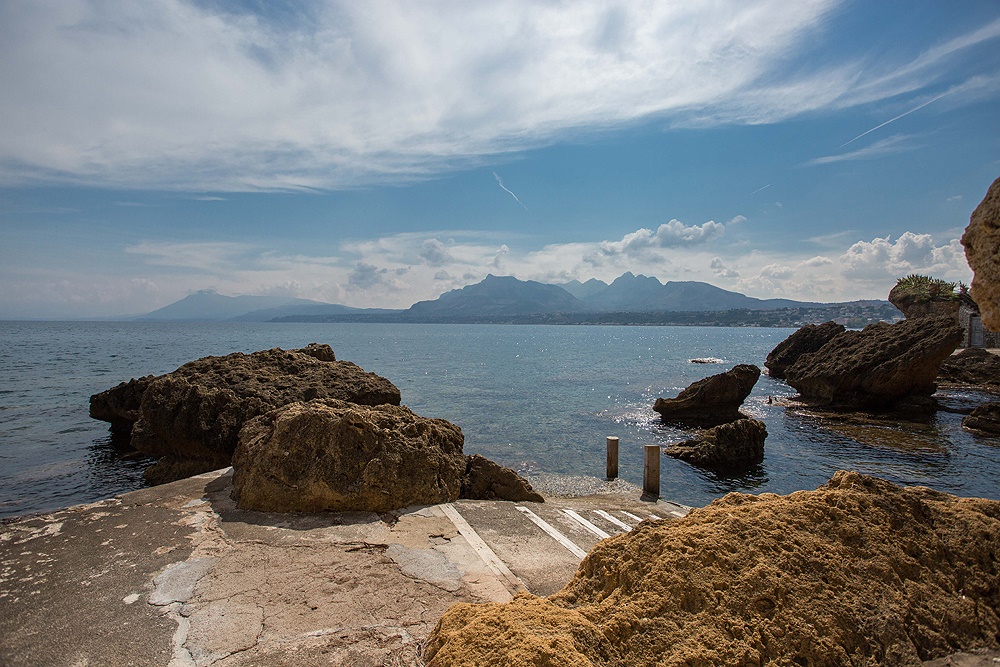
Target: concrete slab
{"x": 178, "y": 576}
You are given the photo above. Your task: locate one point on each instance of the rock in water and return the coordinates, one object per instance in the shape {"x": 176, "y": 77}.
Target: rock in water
{"x": 858, "y": 572}
{"x": 985, "y": 419}
{"x": 809, "y": 338}
{"x": 982, "y": 249}
{"x": 724, "y": 447}
{"x": 713, "y": 400}
{"x": 487, "y": 480}
{"x": 877, "y": 366}
{"x": 191, "y": 418}
{"x": 333, "y": 455}
{"x": 972, "y": 367}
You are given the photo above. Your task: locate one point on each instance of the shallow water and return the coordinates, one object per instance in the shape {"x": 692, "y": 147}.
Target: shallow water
{"x": 541, "y": 399}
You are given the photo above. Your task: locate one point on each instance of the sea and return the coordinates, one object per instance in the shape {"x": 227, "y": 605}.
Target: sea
{"x": 539, "y": 399}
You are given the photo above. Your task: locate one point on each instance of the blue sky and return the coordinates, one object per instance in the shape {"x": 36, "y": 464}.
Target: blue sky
{"x": 380, "y": 153}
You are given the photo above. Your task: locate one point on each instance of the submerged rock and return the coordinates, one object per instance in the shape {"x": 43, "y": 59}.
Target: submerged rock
{"x": 191, "y": 418}
{"x": 985, "y": 419}
{"x": 487, "y": 480}
{"x": 877, "y": 366}
{"x": 713, "y": 400}
{"x": 857, "y": 572}
{"x": 982, "y": 249}
{"x": 724, "y": 447}
{"x": 334, "y": 455}
{"x": 972, "y": 367}
{"x": 808, "y": 339}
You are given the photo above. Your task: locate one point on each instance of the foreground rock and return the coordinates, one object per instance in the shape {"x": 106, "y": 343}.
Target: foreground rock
{"x": 725, "y": 447}
{"x": 809, "y": 338}
{"x": 713, "y": 400}
{"x": 328, "y": 455}
{"x": 972, "y": 367}
{"x": 333, "y": 455}
{"x": 982, "y": 250}
{"x": 859, "y": 572}
{"x": 985, "y": 419}
{"x": 487, "y": 480}
{"x": 877, "y": 366}
{"x": 190, "y": 419}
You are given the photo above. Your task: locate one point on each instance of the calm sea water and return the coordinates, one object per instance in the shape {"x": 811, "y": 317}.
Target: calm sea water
{"x": 536, "y": 398}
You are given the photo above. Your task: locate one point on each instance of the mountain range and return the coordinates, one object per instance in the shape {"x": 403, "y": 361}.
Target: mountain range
{"x": 501, "y": 297}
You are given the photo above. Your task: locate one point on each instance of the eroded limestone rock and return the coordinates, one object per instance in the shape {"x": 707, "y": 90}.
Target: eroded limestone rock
{"x": 333, "y": 455}
{"x": 982, "y": 250}
{"x": 985, "y": 419}
{"x": 735, "y": 445}
{"x": 713, "y": 400}
{"x": 877, "y": 366}
{"x": 487, "y": 480}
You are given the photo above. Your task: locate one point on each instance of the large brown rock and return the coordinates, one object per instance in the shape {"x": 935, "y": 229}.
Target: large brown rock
{"x": 191, "y": 418}
{"x": 713, "y": 400}
{"x": 877, "y": 366}
{"x": 486, "y": 480}
{"x": 724, "y": 447}
{"x": 858, "y": 572}
{"x": 333, "y": 455}
{"x": 808, "y": 339}
{"x": 919, "y": 303}
{"x": 982, "y": 250}
{"x": 972, "y": 367}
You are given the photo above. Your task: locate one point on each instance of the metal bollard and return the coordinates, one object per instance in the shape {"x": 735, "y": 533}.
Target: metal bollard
{"x": 651, "y": 471}
{"x": 612, "y": 457}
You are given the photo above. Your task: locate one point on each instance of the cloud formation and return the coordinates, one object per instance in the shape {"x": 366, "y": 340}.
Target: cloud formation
{"x": 882, "y": 258}
{"x": 178, "y": 94}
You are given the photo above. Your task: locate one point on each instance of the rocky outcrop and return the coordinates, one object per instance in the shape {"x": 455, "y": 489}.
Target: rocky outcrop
{"x": 985, "y": 419}
{"x": 487, "y": 480}
{"x": 808, "y": 339}
{"x": 191, "y": 418}
{"x": 333, "y": 455}
{"x": 920, "y": 296}
{"x": 972, "y": 367}
{"x": 724, "y": 447}
{"x": 711, "y": 401}
{"x": 982, "y": 250}
{"x": 120, "y": 404}
{"x": 877, "y": 366}
{"x": 858, "y": 572}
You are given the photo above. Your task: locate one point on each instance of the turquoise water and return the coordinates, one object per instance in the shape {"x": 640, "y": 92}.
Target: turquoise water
{"x": 540, "y": 399}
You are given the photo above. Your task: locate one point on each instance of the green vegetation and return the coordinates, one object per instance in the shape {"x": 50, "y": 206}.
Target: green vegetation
{"x": 925, "y": 288}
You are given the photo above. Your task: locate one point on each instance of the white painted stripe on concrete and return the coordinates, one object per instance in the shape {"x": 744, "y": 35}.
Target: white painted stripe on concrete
{"x": 679, "y": 515}
{"x": 631, "y": 516}
{"x": 618, "y": 522}
{"x": 552, "y": 532}
{"x": 586, "y": 524}
{"x": 497, "y": 566}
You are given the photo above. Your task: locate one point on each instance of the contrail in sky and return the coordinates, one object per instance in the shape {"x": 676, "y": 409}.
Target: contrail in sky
{"x": 500, "y": 182}
{"x": 891, "y": 120}
{"x": 759, "y": 189}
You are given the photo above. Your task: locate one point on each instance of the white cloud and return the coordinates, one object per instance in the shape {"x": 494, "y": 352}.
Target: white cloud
{"x": 668, "y": 235}
{"x": 882, "y": 258}
{"x": 435, "y": 253}
{"x": 185, "y": 95}
{"x": 720, "y": 270}
{"x": 888, "y": 146}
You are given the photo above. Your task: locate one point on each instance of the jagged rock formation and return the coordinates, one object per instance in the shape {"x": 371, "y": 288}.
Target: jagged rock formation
{"x": 985, "y": 419}
{"x": 808, "y": 339}
{"x": 877, "y": 366}
{"x": 190, "y": 419}
{"x": 858, "y": 572}
{"x": 982, "y": 250}
{"x": 972, "y": 367}
{"x": 333, "y": 455}
{"x": 724, "y": 447}
{"x": 713, "y": 400}
{"x": 486, "y": 480}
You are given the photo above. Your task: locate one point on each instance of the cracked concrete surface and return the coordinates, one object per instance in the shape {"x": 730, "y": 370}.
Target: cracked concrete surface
{"x": 178, "y": 576}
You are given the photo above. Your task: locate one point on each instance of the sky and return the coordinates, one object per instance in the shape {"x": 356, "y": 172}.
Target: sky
{"x": 379, "y": 153}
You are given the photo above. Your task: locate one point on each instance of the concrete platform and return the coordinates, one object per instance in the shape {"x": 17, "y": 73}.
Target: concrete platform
{"x": 178, "y": 576}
